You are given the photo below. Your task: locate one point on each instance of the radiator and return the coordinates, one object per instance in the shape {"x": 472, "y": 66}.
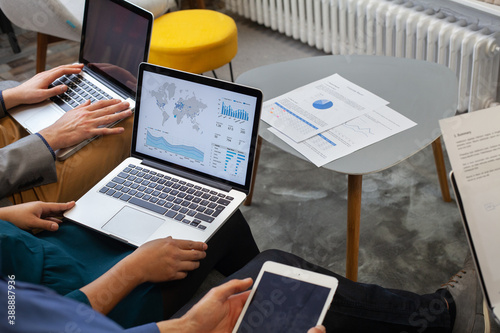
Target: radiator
{"x": 389, "y": 28}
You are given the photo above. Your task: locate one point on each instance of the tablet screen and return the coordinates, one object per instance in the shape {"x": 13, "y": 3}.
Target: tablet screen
{"x": 283, "y": 304}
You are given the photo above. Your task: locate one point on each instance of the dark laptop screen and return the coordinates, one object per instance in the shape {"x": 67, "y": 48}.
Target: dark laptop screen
{"x": 115, "y": 40}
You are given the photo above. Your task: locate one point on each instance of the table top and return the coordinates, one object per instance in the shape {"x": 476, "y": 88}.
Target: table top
{"x": 422, "y": 91}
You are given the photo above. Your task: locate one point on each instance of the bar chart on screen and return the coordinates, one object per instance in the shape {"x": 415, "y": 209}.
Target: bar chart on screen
{"x": 234, "y": 109}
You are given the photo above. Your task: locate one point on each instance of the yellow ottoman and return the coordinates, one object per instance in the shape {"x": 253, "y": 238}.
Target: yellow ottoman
{"x": 194, "y": 40}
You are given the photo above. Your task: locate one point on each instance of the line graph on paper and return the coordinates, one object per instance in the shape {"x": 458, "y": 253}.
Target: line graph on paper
{"x": 361, "y": 129}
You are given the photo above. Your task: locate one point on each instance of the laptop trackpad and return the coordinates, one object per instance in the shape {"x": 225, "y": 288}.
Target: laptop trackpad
{"x": 43, "y": 119}
{"x": 133, "y": 225}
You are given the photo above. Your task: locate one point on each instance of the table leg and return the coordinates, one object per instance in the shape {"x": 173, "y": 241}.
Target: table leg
{"x": 354, "y": 185}
{"x": 248, "y": 200}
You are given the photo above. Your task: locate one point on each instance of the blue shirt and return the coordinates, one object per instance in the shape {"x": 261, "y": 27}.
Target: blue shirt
{"x": 71, "y": 258}
{"x": 34, "y": 308}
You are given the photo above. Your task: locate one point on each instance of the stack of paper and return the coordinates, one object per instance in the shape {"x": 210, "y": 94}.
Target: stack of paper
{"x": 330, "y": 118}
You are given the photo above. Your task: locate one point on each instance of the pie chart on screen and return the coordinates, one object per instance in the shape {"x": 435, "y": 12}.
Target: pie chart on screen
{"x": 322, "y": 104}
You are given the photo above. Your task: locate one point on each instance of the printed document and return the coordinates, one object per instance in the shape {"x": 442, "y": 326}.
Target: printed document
{"x": 319, "y": 106}
{"x": 350, "y": 136}
{"x": 473, "y": 144}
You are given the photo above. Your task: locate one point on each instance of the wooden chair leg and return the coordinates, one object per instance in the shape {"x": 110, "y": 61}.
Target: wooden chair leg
{"x": 437, "y": 148}
{"x": 42, "y": 42}
{"x": 197, "y": 4}
{"x": 248, "y": 200}
{"x": 41, "y": 51}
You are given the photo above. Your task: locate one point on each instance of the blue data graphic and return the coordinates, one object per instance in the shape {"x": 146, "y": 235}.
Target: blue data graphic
{"x": 183, "y": 150}
{"x": 233, "y": 161}
{"x": 322, "y": 104}
{"x": 227, "y": 110}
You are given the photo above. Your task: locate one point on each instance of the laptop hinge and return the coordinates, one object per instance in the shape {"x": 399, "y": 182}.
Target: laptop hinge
{"x": 188, "y": 175}
{"x": 119, "y": 90}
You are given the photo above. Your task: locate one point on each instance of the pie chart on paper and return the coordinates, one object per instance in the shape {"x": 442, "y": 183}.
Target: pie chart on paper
{"x": 322, "y": 104}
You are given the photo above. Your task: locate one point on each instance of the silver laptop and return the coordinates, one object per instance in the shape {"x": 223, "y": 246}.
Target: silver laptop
{"x": 484, "y": 253}
{"x": 193, "y": 150}
{"x": 111, "y": 48}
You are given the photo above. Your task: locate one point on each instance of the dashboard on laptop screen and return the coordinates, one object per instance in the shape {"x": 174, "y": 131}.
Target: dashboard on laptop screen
{"x": 196, "y": 126}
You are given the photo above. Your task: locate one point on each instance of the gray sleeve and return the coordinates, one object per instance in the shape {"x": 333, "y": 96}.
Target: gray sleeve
{"x": 25, "y": 164}
{"x": 6, "y": 85}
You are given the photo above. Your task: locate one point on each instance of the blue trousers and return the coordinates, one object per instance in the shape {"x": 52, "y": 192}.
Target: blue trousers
{"x": 359, "y": 307}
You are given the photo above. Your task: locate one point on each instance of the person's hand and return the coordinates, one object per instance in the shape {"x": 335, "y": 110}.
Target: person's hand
{"x": 317, "y": 329}
{"x": 166, "y": 259}
{"x": 86, "y": 121}
{"x": 37, "y": 89}
{"x": 217, "y": 311}
{"x": 35, "y": 215}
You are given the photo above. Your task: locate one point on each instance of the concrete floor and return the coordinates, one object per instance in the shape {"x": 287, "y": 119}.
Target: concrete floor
{"x": 410, "y": 238}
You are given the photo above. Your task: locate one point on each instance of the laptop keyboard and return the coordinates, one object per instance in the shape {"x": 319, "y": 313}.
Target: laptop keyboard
{"x": 79, "y": 91}
{"x": 188, "y": 203}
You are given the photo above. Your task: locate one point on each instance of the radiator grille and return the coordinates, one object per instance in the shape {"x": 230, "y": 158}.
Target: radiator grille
{"x": 391, "y": 28}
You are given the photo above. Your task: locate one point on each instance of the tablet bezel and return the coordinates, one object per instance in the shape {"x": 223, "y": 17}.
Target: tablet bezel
{"x": 299, "y": 274}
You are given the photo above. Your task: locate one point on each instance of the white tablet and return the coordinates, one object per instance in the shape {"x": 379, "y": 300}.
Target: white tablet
{"x": 286, "y": 299}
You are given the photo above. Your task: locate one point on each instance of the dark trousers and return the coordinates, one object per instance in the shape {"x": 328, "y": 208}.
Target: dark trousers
{"x": 359, "y": 307}
{"x": 229, "y": 250}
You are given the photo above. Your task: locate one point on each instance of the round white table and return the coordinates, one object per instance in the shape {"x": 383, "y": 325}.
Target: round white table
{"x": 422, "y": 91}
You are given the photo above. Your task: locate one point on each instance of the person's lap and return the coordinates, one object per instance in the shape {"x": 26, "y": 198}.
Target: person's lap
{"x": 359, "y": 307}
{"x": 77, "y": 174}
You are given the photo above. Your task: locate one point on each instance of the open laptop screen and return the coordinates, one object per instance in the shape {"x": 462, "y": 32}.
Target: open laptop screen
{"x": 115, "y": 40}
{"x": 197, "y": 123}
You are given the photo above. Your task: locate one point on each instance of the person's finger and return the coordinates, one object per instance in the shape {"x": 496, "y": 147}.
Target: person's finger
{"x": 106, "y": 131}
{"x": 48, "y": 225}
{"x": 317, "y": 329}
{"x": 112, "y": 110}
{"x": 100, "y": 125}
{"x": 112, "y": 114}
{"x": 192, "y": 255}
{"x": 57, "y": 72}
{"x": 187, "y": 266}
{"x": 191, "y": 245}
{"x": 232, "y": 287}
{"x": 102, "y": 106}
{"x": 55, "y": 208}
{"x": 179, "y": 275}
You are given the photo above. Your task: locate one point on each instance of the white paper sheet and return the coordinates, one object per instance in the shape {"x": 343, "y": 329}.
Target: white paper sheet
{"x": 473, "y": 144}
{"x": 318, "y": 106}
{"x": 350, "y": 136}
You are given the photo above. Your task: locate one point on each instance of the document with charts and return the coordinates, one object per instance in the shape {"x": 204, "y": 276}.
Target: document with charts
{"x": 473, "y": 145}
{"x": 319, "y": 106}
{"x": 351, "y": 136}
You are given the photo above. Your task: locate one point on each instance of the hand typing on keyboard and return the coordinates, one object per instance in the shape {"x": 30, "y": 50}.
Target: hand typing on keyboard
{"x": 81, "y": 123}
{"x": 85, "y": 122}
{"x": 37, "y": 88}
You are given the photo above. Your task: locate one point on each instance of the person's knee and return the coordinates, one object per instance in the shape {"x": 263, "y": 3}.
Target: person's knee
{"x": 278, "y": 256}
{"x": 289, "y": 259}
